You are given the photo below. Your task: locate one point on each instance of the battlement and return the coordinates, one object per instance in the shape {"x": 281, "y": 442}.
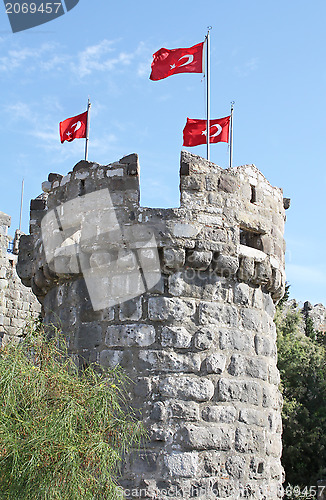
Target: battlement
{"x": 229, "y": 222}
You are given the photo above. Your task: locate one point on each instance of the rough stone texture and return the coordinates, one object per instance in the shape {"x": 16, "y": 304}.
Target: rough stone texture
{"x": 199, "y": 343}
{"x": 318, "y": 315}
{"x": 18, "y": 304}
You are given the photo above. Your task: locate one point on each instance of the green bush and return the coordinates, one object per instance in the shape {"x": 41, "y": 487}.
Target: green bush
{"x": 63, "y": 432}
{"x": 302, "y": 365}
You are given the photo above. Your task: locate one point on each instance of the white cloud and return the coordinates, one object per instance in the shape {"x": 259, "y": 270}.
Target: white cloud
{"x": 100, "y": 58}
{"x": 103, "y": 57}
{"x": 17, "y": 58}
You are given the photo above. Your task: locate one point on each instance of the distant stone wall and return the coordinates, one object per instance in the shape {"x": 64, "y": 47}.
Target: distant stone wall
{"x": 199, "y": 341}
{"x": 18, "y": 303}
{"x": 317, "y": 314}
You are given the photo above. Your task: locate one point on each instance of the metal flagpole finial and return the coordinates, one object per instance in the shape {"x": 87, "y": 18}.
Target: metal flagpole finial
{"x": 231, "y": 134}
{"x": 87, "y": 129}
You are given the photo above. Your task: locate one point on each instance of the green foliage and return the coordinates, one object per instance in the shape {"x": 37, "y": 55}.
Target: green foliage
{"x": 302, "y": 365}
{"x": 62, "y": 432}
{"x": 309, "y": 328}
{"x": 285, "y": 296}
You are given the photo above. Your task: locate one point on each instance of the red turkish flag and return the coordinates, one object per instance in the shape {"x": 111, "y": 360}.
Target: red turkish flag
{"x": 73, "y": 128}
{"x": 194, "y": 132}
{"x": 169, "y": 62}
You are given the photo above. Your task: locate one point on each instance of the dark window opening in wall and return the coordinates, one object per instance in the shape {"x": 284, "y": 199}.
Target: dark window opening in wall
{"x": 81, "y": 188}
{"x": 253, "y": 198}
{"x": 250, "y": 239}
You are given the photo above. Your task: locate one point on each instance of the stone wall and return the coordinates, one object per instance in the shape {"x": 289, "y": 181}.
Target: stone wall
{"x": 17, "y": 303}
{"x": 184, "y": 300}
{"x": 317, "y": 314}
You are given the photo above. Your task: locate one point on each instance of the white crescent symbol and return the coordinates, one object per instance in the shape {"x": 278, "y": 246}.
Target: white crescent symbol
{"x": 78, "y": 125}
{"x": 190, "y": 59}
{"x": 218, "y": 131}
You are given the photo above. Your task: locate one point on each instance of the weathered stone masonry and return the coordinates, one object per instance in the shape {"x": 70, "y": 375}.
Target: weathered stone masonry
{"x": 18, "y": 305}
{"x": 200, "y": 346}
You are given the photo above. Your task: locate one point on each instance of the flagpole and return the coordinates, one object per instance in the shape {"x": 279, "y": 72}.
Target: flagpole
{"x": 231, "y": 134}
{"x": 21, "y": 206}
{"x": 207, "y": 88}
{"x": 87, "y": 129}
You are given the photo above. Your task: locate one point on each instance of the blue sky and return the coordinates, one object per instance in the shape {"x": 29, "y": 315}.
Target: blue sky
{"x": 267, "y": 56}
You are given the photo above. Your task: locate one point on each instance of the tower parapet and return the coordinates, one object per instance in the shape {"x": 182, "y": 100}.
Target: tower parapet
{"x": 183, "y": 299}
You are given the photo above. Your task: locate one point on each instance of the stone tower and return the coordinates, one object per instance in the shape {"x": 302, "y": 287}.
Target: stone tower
{"x": 184, "y": 300}
{"x": 18, "y": 305}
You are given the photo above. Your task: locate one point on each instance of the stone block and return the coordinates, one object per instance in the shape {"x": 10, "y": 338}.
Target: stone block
{"x": 169, "y": 361}
{"x": 186, "y": 410}
{"x": 273, "y": 375}
{"x": 203, "y": 437}
{"x": 131, "y": 310}
{"x": 248, "y": 440}
{"x": 205, "y": 285}
{"x": 204, "y": 338}
{"x": 130, "y": 335}
{"x": 226, "y": 265}
{"x": 192, "y": 183}
{"x": 246, "y": 268}
{"x": 236, "y": 466}
{"x": 5, "y": 220}
{"x": 170, "y": 309}
{"x": 141, "y": 462}
{"x": 233, "y": 339}
{"x": 199, "y": 259}
{"x": 251, "y": 319}
{"x": 264, "y": 345}
{"x": 227, "y": 183}
{"x": 179, "y": 464}
{"x": 263, "y": 272}
{"x": 173, "y": 258}
{"x": 54, "y": 177}
{"x": 38, "y": 204}
{"x": 185, "y": 230}
{"x": 242, "y": 294}
{"x": 274, "y": 422}
{"x": 46, "y": 186}
{"x": 65, "y": 179}
{"x": 115, "y": 172}
{"x": 175, "y": 336}
{"x": 273, "y": 444}
{"x": 217, "y": 313}
{"x": 271, "y": 397}
{"x": 240, "y": 390}
{"x": 251, "y": 416}
{"x": 159, "y": 411}
{"x": 219, "y": 413}
{"x": 193, "y": 388}
{"x": 249, "y": 366}
{"x": 215, "y": 363}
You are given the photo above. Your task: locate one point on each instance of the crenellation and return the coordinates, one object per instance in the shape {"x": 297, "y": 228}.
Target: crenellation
{"x": 183, "y": 299}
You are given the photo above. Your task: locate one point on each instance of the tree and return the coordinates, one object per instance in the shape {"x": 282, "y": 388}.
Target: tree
{"x": 302, "y": 365}
{"x": 62, "y": 432}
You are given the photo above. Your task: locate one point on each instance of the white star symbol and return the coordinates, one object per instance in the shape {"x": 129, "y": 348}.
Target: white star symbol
{"x": 172, "y": 66}
{"x": 68, "y": 134}
{"x": 203, "y": 132}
